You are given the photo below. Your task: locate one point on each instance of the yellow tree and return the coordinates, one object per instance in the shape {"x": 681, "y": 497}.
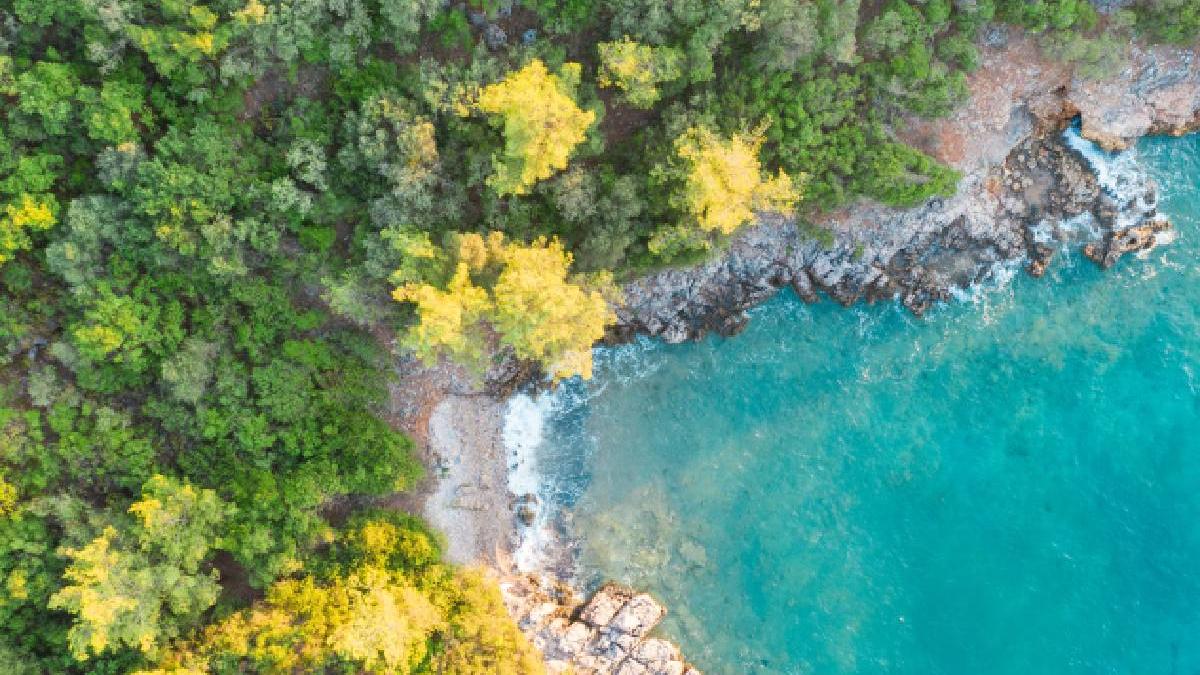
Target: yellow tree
{"x": 390, "y": 607}
{"x": 369, "y": 619}
{"x": 141, "y": 586}
{"x": 533, "y": 305}
{"x": 27, "y": 214}
{"x": 637, "y": 69}
{"x": 542, "y": 315}
{"x": 541, "y": 121}
{"x": 723, "y": 182}
{"x": 447, "y": 319}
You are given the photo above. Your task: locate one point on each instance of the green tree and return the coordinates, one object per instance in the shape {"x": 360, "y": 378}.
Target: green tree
{"x": 47, "y": 90}
{"x": 142, "y": 586}
{"x": 638, "y": 70}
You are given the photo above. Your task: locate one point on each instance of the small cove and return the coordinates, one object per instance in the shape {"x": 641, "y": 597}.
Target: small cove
{"x": 1007, "y": 485}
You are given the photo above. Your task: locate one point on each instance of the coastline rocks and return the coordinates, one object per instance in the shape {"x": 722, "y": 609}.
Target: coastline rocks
{"x": 1157, "y": 93}
{"x": 605, "y": 636}
{"x": 918, "y": 256}
{"x": 1129, "y": 240}
{"x": 1024, "y": 195}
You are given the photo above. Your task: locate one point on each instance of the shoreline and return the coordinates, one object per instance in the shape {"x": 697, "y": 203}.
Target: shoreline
{"x": 1017, "y": 173}
{"x": 1024, "y": 183}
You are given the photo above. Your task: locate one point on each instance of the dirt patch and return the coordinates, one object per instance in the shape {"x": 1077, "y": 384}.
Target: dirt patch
{"x": 621, "y": 121}
{"x": 309, "y": 82}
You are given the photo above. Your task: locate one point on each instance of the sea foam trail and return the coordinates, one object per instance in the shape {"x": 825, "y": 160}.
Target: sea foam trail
{"x": 1119, "y": 174}
{"x": 524, "y": 431}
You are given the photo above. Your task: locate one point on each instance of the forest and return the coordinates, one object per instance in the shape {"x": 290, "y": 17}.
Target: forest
{"x": 215, "y": 214}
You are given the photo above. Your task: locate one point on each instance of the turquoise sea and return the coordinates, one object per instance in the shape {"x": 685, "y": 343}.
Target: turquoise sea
{"x": 1009, "y": 485}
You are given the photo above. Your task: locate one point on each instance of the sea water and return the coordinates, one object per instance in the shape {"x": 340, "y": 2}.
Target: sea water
{"x": 1008, "y": 485}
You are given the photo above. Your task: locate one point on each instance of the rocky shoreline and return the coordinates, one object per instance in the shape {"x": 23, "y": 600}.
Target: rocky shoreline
{"x": 1026, "y": 193}
{"x": 1020, "y": 179}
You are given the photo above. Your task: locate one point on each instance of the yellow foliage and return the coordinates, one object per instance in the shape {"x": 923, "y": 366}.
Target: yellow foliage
{"x": 542, "y": 124}
{"x": 370, "y": 618}
{"x": 17, "y": 585}
{"x": 100, "y": 339}
{"x": 446, "y": 319}
{"x": 481, "y": 638}
{"x": 638, "y": 69}
{"x": 724, "y": 184}
{"x": 542, "y": 315}
{"x": 28, "y": 214}
{"x": 97, "y": 610}
{"x": 8, "y": 497}
{"x": 201, "y": 42}
{"x": 533, "y": 305}
{"x": 254, "y": 12}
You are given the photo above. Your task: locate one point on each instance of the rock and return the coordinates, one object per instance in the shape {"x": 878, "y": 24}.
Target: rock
{"x": 604, "y": 605}
{"x": 918, "y": 256}
{"x": 1129, "y": 240}
{"x": 607, "y": 637}
{"x": 1040, "y": 256}
{"x": 526, "y": 509}
{"x": 470, "y": 498}
{"x": 526, "y": 514}
{"x": 494, "y": 36}
{"x": 638, "y": 616}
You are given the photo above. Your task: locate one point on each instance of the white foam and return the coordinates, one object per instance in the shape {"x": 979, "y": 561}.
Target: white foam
{"x": 996, "y": 276}
{"x": 1119, "y": 174}
{"x": 524, "y": 430}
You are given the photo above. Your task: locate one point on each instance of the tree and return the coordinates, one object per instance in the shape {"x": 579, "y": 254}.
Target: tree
{"x": 48, "y": 91}
{"x": 481, "y": 639}
{"x": 188, "y": 372}
{"x": 541, "y": 123}
{"x": 367, "y": 619}
{"x": 28, "y": 214}
{"x": 140, "y": 586}
{"x": 533, "y": 306}
{"x": 447, "y": 320}
{"x": 722, "y": 182}
{"x": 116, "y": 327}
{"x": 541, "y": 314}
{"x": 638, "y": 69}
{"x": 109, "y": 114}
{"x": 789, "y": 34}
{"x": 378, "y": 601}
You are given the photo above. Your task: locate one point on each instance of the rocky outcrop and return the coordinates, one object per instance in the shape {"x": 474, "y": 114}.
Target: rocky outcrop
{"x": 1022, "y": 185}
{"x": 1012, "y": 213}
{"x": 608, "y": 635}
{"x": 1136, "y": 239}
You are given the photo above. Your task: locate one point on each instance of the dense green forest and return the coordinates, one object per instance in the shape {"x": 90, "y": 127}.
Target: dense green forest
{"x": 213, "y": 215}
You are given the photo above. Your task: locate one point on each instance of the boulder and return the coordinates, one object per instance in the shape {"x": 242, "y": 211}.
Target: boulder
{"x": 604, "y": 605}
{"x": 638, "y": 616}
{"x": 1129, "y": 240}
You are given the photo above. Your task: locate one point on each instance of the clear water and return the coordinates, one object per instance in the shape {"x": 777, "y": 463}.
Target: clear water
{"x": 1010, "y": 485}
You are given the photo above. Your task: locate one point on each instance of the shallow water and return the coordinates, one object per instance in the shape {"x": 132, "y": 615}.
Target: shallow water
{"x": 1010, "y": 485}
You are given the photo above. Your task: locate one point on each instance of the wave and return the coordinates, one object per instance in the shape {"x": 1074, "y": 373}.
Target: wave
{"x": 1120, "y": 174}
{"x": 523, "y": 434}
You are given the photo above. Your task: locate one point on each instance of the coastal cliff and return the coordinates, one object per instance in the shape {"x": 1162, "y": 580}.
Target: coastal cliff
{"x": 1026, "y": 193}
